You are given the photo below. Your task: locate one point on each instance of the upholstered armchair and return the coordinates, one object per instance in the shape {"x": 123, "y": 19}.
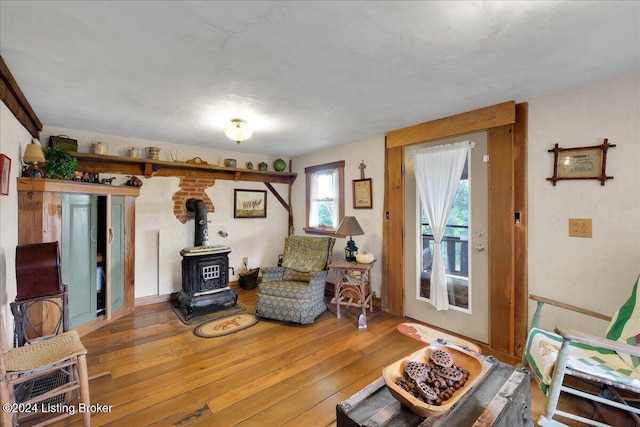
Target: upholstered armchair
{"x": 294, "y": 291}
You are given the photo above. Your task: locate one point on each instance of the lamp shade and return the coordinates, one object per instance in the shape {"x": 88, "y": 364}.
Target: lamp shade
{"x": 349, "y": 227}
{"x": 33, "y": 153}
{"x": 239, "y": 131}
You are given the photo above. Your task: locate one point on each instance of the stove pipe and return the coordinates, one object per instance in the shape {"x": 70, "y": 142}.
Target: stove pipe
{"x": 200, "y": 208}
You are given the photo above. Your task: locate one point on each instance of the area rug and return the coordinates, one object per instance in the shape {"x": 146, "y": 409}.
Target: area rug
{"x": 429, "y": 335}
{"x": 225, "y": 326}
{"x": 199, "y": 317}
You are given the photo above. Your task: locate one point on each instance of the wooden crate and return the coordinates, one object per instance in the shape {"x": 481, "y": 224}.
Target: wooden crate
{"x": 501, "y": 399}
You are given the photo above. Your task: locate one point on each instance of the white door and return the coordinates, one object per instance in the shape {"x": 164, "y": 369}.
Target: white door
{"x": 464, "y": 248}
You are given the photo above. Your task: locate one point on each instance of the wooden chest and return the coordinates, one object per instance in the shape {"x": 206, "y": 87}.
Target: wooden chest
{"x": 501, "y": 399}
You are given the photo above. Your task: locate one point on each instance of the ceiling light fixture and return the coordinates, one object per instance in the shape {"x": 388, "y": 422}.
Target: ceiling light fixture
{"x": 239, "y": 131}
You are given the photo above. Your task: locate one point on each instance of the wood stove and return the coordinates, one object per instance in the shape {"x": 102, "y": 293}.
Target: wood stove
{"x": 205, "y": 280}
{"x": 205, "y": 271}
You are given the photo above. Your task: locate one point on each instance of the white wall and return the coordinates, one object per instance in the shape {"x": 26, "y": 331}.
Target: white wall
{"x": 371, "y": 151}
{"x": 250, "y": 237}
{"x": 595, "y": 273}
{"x": 13, "y": 138}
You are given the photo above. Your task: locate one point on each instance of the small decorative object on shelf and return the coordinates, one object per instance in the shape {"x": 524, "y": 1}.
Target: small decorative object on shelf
{"x": 153, "y": 153}
{"x": 262, "y": 166}
{"x": 279, "y": 165}
{"x": 134, "y": 181}
{"x": 249, "y": 165}
{"x": 580, "y": 163}
{"x": 230, "y": 163}
{"x": 197, "y": 161}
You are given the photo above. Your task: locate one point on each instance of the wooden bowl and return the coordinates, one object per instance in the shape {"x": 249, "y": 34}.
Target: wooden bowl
{"x": 464, "y": 359}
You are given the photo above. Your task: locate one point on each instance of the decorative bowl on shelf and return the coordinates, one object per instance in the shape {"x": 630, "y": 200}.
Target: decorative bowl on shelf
{"x": 230, "y": 163}
{"x": 279, "y": 165}
{"x": 461, "y": 358}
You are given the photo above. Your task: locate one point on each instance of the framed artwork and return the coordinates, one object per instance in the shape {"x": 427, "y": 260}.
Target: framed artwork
{"x": 362, "y": 194}
{"x": 250, "y": 203}
{"x": 580, "y": 163}
{"x": 5, "y": 174}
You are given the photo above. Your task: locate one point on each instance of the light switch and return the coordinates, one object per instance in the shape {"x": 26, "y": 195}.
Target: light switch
{"x": 580, "y": 227}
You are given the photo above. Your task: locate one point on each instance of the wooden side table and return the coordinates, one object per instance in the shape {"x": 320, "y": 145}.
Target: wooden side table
{"x": 352, "y": 285}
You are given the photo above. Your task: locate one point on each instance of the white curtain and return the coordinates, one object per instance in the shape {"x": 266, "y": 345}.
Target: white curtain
{"x": 438, "y": 170}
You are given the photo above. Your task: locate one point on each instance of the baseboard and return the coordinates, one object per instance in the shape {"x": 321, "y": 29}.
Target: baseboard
{"x": 154, "y": 299}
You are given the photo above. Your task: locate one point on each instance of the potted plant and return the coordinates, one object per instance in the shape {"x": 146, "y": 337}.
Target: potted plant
{"x": 60, "y": 164}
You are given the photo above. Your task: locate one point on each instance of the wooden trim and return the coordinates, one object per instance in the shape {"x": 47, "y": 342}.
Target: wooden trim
{"x": 60, "y": 186}
{"x": 501, "y": 240}
{"x": 471, "y": 121}
{"x": 307, "y": 185}
{"x": 506, "y": 310}
{"x": 393, "y": 224}
{"x": 154, "y": 299}
{"x": 129, "y": 253}
{"x": 521, "y": 228}
{"x": 16, "y": 102}
{"x": 332, "y": 165}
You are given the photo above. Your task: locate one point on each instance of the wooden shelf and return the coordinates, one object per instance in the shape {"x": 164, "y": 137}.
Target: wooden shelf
{"x": 61, "y": 186}
{"x": 131, "y": 166}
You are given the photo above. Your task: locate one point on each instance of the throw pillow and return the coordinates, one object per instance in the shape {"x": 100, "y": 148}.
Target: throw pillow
{"x": 625, "y": 326}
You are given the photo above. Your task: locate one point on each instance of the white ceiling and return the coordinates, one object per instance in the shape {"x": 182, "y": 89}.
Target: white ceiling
{"x": 305, "y": 75}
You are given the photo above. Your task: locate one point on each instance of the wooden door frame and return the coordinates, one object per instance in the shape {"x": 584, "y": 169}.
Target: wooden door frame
{"x": 506, "y": 126}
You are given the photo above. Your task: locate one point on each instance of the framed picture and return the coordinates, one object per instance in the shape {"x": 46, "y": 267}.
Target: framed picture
{"x": 250, "y": 203}
{"x": 5, "y": 174}
{"x": 362, "y": 194}
{"x": 580, "y": 163}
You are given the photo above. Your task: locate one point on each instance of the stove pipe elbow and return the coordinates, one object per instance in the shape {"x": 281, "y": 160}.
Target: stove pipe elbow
{"x": 200, "y": 208}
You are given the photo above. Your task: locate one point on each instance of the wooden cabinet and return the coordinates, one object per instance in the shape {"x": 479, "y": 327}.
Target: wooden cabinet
{"x": 95, "y": 226}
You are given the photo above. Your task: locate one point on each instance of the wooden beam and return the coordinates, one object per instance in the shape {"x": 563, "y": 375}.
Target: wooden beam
{"x": 471, "y": 121}
{"x": 392, "y": 239}
{"x": 501, "y": 240}
{"x": 521, "y": 221}
{"x": 16, "y": 102}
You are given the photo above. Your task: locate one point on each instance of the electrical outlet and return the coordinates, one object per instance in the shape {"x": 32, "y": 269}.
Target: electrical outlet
{"x": 580, "y": 227}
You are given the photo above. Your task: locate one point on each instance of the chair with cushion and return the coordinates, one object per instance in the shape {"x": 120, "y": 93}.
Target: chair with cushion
{"x": 294, "y": 291}
{"x": 605, "y": 370}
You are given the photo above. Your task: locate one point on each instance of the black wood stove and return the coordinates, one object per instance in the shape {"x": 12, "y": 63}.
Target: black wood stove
{"x": 205, "y": 271}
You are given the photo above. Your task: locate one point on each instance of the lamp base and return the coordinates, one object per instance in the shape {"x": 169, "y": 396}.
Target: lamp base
{"x": 33, "y": 170}
{"x": 350, "y": 251}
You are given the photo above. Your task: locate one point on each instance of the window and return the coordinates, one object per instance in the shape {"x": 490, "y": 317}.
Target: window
{"x": 325, "y": 197}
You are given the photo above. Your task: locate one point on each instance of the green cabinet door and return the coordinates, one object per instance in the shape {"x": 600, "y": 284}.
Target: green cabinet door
{"x": 79, "y": 247}
{"x": 117, "y": 253}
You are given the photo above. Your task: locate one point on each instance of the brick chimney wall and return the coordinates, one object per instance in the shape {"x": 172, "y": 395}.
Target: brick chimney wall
{"x": 191, "y": 188}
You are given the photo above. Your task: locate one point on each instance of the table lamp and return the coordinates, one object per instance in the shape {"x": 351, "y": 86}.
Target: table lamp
{"x": 32, "y": 158}
{"x": 349, "y": 227}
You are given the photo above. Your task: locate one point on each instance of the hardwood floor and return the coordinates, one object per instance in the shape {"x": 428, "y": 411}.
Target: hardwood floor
{"x": 151, "y": 370}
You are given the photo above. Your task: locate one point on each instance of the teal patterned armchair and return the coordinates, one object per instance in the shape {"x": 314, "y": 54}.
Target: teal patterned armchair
{"x": 294, "y": 291}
